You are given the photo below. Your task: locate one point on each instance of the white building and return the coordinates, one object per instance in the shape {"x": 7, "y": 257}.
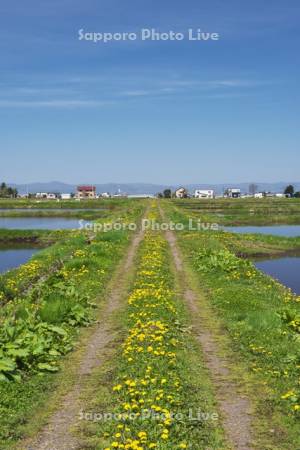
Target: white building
{"x": 51, "y": 196}
{"x": 65, "y": 196}
{"x": 86, "y": 192}
{"x": 259, "y": 195}
{"x": 202, "y": 193}
{"x": 141, "y": 196}
{"x": 232, "y": 193}
{"x": 181, "y": 192}
{"x": 41, "y": 195}
{"x": 45, "y": 195}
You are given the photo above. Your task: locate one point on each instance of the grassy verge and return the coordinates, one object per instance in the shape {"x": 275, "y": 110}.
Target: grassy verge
{"x": 258, "y": 244}
{"x": 261, "y": 319}
{"x": 37, "y": 330}
{"x": 37, "y": 237}
{"x": 14, "y": 282}
{"x": 240, "y": 244}
{"x": 31, "y": 204}
{"x": 39, "y": 326}
{"x": 161, "y": 396}
{"x": 51, "y": 213}
{"x": 269, "y": 211}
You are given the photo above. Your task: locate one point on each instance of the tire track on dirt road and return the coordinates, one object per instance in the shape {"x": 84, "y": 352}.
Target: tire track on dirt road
{"x": 57, "y": 434}
{"x": 234, "y": 407}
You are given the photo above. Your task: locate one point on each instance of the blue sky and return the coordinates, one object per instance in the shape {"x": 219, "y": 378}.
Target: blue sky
{"x": 161, "y": 112}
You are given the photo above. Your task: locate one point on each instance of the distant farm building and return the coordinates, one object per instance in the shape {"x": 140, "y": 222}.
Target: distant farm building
{"x": 181, "y": 193}
{"x": 84, "y": 192}
{"x": 232, "y": 193}
{"x": 46, "y": 195}
{"x": 202, "y": 193}
{"x": 66, "y": 196}
{"x": 51, "y": 196}
{"x": 41, "y": 195}
{"x": 141, "y": 196}
{"x": 268, "y": 194}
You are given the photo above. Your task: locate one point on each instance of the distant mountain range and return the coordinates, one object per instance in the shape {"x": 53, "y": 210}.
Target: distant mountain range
{"x": 145, "y": 188}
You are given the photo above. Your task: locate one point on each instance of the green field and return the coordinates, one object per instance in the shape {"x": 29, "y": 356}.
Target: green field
{"x": 66, "y": 204}
{"x": 244, "y": 211}
{"x": 160, "y": 325}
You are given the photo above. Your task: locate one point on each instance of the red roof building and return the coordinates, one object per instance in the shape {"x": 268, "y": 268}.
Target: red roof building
{"x": 86, "y": 191}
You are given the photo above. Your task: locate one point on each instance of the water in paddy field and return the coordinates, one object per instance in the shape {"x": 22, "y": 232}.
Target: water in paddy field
{"x": 277, "y": 230}
{"x": 286, "y": 270}
{"x": 39, "y": 223}
{"x": 11, "y": 258}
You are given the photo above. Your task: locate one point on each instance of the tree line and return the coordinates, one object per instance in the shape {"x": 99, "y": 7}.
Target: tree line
{"x": 7, "y": 191}
{"x": 289, "y": 191}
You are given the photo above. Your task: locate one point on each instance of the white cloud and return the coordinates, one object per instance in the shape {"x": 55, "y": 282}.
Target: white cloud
{"x": 138, "y": 93}
{"x": 80, "y": 91}
{"x": 53, "y": 104}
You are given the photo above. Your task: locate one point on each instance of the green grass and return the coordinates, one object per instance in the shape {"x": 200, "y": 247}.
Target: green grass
{"x": 186, "y": 368}
{"x": 39, "y": 238}
{"x": 52, "y": 259}
{"x": 18, "y": 404}
{"x": 269, "y": 211}
{"x": 40, "y": 326}
{"x": 254, "y": 318}
{"x": 31, "y": 204}
{"x": 241, "y": 244}
{"x": 50, "y": 213}
{"x": 258, "y": 244}
{"x": 63, "y": 300}
{"x": 257, "y": 314}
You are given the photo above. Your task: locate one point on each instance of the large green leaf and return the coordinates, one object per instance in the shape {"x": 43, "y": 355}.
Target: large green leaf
{"x": 47, "y": 367}
{"x": 18, "y": 352}
{"x": 57, "y": 330}
{"x": 7, "y": 365}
